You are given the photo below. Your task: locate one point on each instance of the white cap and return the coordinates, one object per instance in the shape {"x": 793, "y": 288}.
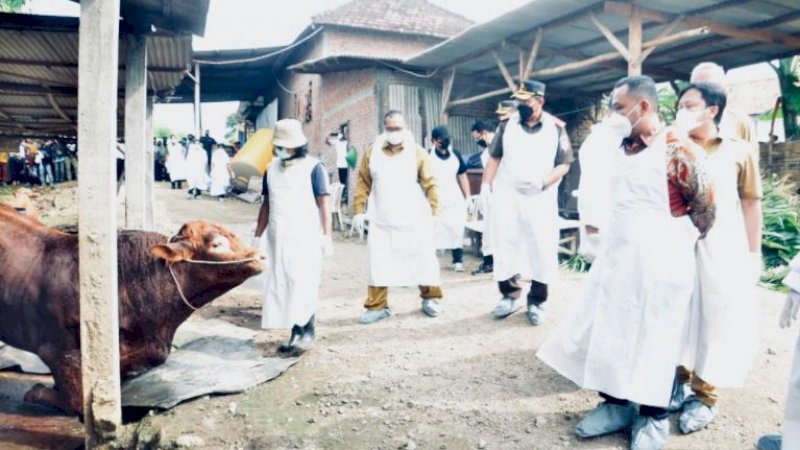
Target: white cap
{"x": 289, "y": 134}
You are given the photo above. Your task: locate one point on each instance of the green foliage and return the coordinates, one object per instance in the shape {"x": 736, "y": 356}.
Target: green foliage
{"x": 667, "y": 104}
{"x": 781, "y": 239}
{"x": 788, "y": 70}
{"x": 11, "y": 5}
{"x": 232, "y": 126}
{"x": 576, "y": 264}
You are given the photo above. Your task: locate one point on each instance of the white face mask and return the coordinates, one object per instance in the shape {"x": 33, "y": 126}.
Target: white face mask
{"x": 395, "y": 137}
{"x": 687, "y": 120}
{"x": 620, "y": 124}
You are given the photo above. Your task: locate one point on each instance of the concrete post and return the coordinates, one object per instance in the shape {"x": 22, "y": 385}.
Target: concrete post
{"x": 198, "y": 122}
{"x": 136, "y": 144}
{"x": 97, "y": 218}
{"x": 149, "y": 217}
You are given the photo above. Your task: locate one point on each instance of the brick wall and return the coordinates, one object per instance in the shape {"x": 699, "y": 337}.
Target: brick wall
{"x": 350, "y": 41}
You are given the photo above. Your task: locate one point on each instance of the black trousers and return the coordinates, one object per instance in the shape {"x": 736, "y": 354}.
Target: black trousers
{"x": 644, "y": 410}
{"x": 343, "y": 180}
{"x": 512, "y": 288}
{"x": 458, "y": 255}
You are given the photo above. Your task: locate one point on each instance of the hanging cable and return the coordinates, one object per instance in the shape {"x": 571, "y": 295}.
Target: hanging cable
{"x": 413, "y": 74}
{"x": 260, "y": 57}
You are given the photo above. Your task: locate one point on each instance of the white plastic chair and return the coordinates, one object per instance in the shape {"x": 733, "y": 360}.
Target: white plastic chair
{"x": 336, "y": 205}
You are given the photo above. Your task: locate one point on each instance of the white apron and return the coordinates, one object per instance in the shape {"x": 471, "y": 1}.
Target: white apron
{"x": 293, "y": 246}
{"x": 401, "y": 244}
{"x": 525, "y": 226}
{"x": 220, "y": 177}
{"x": 596, "y": 158}
{"x": 722, "y": 335}
{"x": 791, "y": 423}
{"x": 449, "y": 231}
{"x": 197, "y": 161}
{"x": 176, "y": 163}
{"x": 486, "y": 243}
{"x": 624, "y": 338}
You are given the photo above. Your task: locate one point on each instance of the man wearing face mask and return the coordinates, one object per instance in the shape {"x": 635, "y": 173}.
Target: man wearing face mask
{"x": 529, "y": 156}
{"x": 396, "y": 176}
{"x": 504, "y": 110}
{"x": 483, "y": 135}
{"x": 628, "y": 328}
{"x": 450, "y": 172}
{"x": 722, "y": 335}
{"x": 296, "y": 215}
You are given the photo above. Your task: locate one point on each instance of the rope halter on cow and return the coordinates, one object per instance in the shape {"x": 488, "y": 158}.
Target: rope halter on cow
{"x": 202, "y": 262}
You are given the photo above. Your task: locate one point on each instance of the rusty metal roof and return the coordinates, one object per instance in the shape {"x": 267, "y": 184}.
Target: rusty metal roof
{"x": 570, "y": 36}
{"x": 417, "y": 17}
{"x": 39, "y": 70}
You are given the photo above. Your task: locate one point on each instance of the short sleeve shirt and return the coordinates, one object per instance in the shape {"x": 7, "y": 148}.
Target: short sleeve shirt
{"x": 564, "y": 155}
{"x": 319, "y": 182}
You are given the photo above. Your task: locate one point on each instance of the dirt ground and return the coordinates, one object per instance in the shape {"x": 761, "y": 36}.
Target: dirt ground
{"x": 460, "y": 381}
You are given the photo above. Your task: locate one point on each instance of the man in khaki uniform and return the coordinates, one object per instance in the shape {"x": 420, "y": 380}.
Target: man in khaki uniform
{"x": 396, "y": 176}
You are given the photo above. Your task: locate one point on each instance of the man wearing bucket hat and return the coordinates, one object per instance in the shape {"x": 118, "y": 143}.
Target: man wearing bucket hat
{"x": 397, "y": 177}
{"x": 529, "y": 156}
{"x": 297, "y": 217}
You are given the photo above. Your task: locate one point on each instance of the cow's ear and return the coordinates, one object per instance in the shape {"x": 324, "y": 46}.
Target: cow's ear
{"x": 170, "y": 252}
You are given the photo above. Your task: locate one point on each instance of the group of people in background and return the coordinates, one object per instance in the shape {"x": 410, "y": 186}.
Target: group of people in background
{"x": 202, "y": 163}
{"x": 39, "y": 163}
{"x": 670, "y": 222}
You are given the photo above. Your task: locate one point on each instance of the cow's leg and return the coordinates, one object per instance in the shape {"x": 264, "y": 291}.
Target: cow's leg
{"x": 67, "y": 393}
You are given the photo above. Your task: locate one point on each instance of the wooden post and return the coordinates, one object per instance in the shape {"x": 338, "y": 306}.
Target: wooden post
{"x": 198, "y": 125}
{"x": 149, "y": 180}
{"x": 447, "y": 90}
{"x": 136, "y": 144}
{"x": 635, "y": 41}
{"x": 537, "y": 43}
{"x": 504, "y": 70}
{"x": 97, "y": 218}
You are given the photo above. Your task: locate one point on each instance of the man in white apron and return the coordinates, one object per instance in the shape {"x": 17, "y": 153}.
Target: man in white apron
{"x": 529, "y": 156}
{"x": 791, "y": 421}
{"x": 196, "y": 163}
{"x": 296, "y": 214}
{"x": 722, "y": 336}
{"x": 176, "y": 163}
{"x": 627, "y": 330}
{"x": 396, "y": 176}
{"x": 450, "y": 171}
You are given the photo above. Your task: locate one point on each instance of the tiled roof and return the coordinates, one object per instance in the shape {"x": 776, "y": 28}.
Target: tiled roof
{"x": 399, "y": 16}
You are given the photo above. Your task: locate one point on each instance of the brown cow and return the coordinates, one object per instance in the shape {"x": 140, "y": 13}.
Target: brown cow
{"x": 39, "y": 294}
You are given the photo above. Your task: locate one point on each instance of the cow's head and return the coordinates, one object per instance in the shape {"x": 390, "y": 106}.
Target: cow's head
{"x": 199, "y": 242}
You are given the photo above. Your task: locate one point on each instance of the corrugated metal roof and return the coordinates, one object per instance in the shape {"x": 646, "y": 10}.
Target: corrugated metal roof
{"x": 338, "y": 63}
{"x": 39, "y": 56}
{"x": 571, "y": 36}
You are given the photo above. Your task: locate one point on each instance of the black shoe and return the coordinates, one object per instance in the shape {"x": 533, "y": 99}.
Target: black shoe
{"x": 483, "y": 268}
{"x": 291, "y": 344}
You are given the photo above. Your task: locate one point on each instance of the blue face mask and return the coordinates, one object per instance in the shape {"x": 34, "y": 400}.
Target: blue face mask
{"x": 282, "y": 153}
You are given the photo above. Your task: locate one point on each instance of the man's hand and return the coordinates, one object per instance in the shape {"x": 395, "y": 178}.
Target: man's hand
{"x": 790, "y": 309}
{"x": 359, "y": 223}
{"x": 533, "y": 187}
{"x": 327, "y": 246}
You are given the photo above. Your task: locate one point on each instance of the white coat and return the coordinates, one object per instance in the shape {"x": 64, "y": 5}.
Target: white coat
{"x": 722, "y": 335}
{"x": 486, "y": 237}
{"x": 791, "y": 422}
{"x": 220, "y": 177}
{"x": 452, "y": 205}
{"x": 401, "y": 233}
{"x": 176, "y": 162}
{"x": 525, "y": 227}
{"x": 293, "y": 246}
{"x": 596, "y": 159}
{"x": 196, "y": 162}
{"x": 624, "y": 338}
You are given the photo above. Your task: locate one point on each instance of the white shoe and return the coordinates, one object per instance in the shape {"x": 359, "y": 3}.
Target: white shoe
{"x": 607, "y": 418}
{"x": 696, "y": 416}
{"x": 458, "y": 267}
{"x": 431, "y": 308}
{"x": 506, "y": 307}
{"x": 649, "y": 433}
{"x": 535, "y": 315}
{"x": 372, "y": 316}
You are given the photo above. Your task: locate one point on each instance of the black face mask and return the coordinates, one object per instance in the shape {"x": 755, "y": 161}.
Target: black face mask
{"x": 525, "y": 112}
{"x": 444, "y": 144}
{"x": 482, "y": 143}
